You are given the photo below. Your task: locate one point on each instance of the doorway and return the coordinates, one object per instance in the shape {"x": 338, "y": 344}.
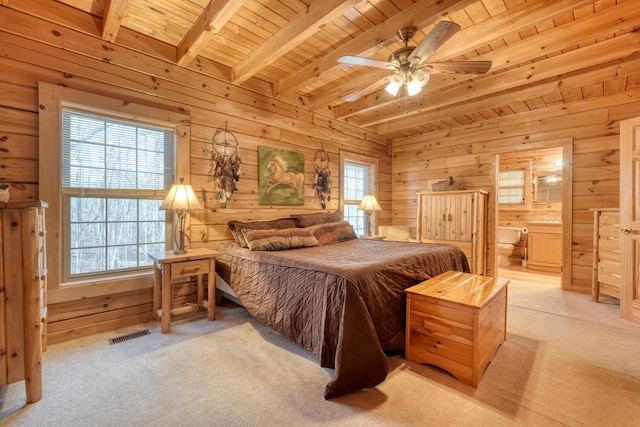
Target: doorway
{"x": 539, "y": 204}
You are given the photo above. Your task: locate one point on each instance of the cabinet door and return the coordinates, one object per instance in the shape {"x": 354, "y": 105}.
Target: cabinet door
{"x": 448, "y": 217}
{"x": 545, "y": 250}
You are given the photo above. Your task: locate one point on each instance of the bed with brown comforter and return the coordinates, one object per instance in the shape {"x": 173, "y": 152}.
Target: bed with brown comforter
{"x": 344, "y": 302}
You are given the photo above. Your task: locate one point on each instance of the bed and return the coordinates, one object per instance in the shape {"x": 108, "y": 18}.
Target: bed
{"x": 341, "y": 299}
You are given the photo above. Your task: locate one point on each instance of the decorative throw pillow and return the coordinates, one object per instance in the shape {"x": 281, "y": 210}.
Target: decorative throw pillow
{"x": 280, "y": 239}
{"x": 237, "y": 227}
{"x": 309, "y": 220}
{"x": 333, "y": 232}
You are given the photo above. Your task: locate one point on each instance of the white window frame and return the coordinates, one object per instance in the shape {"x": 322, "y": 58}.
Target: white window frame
{"x": 372, "y": 164}
{"x": 52, "y": 99}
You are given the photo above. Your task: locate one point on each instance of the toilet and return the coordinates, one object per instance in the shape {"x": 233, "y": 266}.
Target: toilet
{"x": 507, "y": 237}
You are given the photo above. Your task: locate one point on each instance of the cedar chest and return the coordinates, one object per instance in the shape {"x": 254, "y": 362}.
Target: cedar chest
{"x": 456, "y": 321}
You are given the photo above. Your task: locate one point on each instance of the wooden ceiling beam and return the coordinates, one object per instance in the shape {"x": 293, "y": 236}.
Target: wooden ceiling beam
{"x": 517, "y": 19}
{"x": 420, "y": 14}
{"x": 112, "y": 19}
{"x": 621, "y": 18}
{"x": 573, "y": 80}
{"x": 209, "y": 23}
{"x": 296, "y": 31}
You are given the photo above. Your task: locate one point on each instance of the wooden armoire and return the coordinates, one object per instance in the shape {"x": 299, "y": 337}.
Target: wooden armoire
{"x": 23, "y": 286}
{"x": 456, "y": 218}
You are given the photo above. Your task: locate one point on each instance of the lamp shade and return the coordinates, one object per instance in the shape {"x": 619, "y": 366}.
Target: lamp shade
{"x": 180, "y": 198}
{"x": 369, "y": 204}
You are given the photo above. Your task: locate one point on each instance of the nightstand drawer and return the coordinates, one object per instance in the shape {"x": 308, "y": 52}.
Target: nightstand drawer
{"x": 190, "y": 268}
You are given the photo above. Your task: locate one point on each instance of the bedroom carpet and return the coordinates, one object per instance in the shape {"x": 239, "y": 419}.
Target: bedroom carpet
{"x": 567, "y": 361}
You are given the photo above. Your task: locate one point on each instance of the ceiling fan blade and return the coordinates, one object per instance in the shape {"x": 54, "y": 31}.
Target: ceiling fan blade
{"x": 373, "y": 87}
{"x": 466, "y": 67}
{"x": 436, "y": 37}
{"x": 367, "y": 62}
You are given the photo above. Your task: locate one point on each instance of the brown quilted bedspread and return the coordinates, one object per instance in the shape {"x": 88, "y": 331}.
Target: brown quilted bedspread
{"x": 344, "y": 303}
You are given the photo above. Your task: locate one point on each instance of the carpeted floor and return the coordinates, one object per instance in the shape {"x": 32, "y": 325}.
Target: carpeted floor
{"x": 566, "y": 361}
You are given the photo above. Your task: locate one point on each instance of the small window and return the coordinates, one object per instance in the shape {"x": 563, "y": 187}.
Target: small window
{"x": 511, "y": 187}
{"x": 356, "y": 186}
{"x": 114, "y": 175}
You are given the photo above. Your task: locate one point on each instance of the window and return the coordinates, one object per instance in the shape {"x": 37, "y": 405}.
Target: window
{"x": 105, "y": 166}
{"x": 112, "y": 170}
{"x": 358, "y": 180}
{"x": 511, "y": 187}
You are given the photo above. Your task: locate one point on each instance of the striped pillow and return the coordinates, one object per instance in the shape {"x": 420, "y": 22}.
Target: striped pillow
{"x": 333, "y": 232}
{"x": 279, "y": 239}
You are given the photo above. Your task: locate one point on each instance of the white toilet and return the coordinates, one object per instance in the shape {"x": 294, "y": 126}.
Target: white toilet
{"x": 507, "y": 237}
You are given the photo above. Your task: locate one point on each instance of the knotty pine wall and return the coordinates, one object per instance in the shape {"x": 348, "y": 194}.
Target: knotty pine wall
{"x": 45, "y": 49}
{"x": 466, "y": 153}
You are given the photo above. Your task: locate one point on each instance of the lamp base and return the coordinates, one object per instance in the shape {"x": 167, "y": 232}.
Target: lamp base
{"x": 178, "y": 252}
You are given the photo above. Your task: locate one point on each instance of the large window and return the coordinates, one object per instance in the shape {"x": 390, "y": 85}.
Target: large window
{"x": 105, "y": 166}
{"x": 112, "y": 170}
{"x": 358, "y": 179}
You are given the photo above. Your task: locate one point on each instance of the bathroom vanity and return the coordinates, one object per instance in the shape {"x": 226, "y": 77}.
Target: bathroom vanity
{"x": 545, "y": 246}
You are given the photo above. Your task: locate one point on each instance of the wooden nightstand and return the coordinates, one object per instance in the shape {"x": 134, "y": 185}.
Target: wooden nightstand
{"x": 373, "y": 237}
{"x": 167, "y": 266}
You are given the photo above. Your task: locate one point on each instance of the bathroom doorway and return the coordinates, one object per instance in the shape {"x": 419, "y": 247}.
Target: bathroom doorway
{"x": 533, "y": 214}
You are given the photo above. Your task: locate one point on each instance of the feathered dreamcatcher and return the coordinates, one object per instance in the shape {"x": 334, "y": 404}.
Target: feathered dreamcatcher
{"x": 322, "y": 179}
{"x": 224, "y": 164}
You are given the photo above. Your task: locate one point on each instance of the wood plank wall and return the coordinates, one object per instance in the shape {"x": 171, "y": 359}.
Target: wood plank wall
{"x": 466, "y": 154}
{"x": 45, "y": 49}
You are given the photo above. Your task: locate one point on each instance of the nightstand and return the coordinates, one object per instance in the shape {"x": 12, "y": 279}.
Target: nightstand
{"x": 373, "y": 237}
{"x": 167, "y": 267}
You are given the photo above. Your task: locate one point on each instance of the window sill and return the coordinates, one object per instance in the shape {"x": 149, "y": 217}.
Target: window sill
{"x": 95, "y": 287}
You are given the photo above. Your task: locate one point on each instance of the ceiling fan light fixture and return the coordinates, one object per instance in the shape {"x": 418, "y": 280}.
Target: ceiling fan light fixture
{"x": 394, "y": 85}
{"x": 413, "y": 87}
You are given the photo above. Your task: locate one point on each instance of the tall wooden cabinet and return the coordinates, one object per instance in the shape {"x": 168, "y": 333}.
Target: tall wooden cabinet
{"x": 457, "y": 218}
{"x": 23, "y": 288}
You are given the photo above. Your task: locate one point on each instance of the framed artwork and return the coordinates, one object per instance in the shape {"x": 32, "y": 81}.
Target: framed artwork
{"x": 280, "y": 177}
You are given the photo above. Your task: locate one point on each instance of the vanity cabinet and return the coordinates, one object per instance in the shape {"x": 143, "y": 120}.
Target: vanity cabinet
{"x": 606, "y": 253}
{"x": 545, "y": 246}
{"x": 22, "y": 295}
{"x": 456, "y": 218}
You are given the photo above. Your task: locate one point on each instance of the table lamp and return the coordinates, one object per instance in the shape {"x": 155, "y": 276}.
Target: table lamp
{"x": 180, "y": 199}
{"x": 369, "y": 204}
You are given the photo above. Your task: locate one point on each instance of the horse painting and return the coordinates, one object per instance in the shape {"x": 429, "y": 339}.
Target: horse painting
{"x": 280, "y": 176}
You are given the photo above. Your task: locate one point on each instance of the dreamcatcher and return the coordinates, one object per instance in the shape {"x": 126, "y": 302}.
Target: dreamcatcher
{"x": 224, "y": 164}
{"x": 322, "y": 179}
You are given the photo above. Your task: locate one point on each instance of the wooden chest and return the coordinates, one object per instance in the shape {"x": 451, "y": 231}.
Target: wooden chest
{"x": 456, "y": 321}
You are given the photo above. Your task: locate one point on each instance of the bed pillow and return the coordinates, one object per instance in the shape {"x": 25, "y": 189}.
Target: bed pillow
{"x": 279, "y": 239}
{"x": 237, "y": 227}
{"x": 333, "y": 232}
{"x": 309, "y": 220}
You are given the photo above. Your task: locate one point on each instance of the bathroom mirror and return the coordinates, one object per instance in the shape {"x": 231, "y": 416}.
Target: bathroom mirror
{"x": 548, "y": 187}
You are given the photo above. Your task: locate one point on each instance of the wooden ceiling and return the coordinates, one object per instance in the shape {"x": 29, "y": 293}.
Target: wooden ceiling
{"x": 544, "y": 52}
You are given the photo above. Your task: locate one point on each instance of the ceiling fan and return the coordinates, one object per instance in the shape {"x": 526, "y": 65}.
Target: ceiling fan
{"x": 408, "y": 63}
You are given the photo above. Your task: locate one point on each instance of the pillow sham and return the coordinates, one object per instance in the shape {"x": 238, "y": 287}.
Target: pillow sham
{"x": 279, "y": 239}
{"x": 333, "y": 232}
{"x": 237, "y": 227}
{"x": 309, "y": 220}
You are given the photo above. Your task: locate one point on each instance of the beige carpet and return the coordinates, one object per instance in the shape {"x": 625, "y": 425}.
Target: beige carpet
{"x": 566, "y": 361}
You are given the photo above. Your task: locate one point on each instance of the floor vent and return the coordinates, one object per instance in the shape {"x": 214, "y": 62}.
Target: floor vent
{"x": 127, "y": 337}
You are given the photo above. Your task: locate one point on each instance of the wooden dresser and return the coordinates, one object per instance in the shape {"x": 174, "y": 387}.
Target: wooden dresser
{"x": 605, "y": 279}
{"x": 23, "y": 286}
{"x": 456, "y": 321}
{"x": 456, "y": 218}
